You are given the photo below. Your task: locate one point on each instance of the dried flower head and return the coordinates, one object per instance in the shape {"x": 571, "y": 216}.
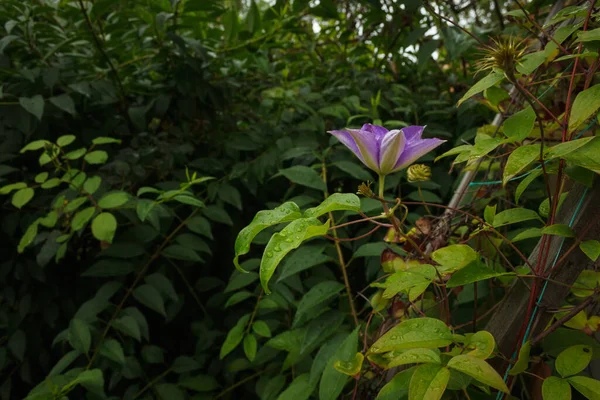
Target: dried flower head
{"x": 504, "y": 54}
{"x": 365, "y": 189}
{"x": 418, "y": 173}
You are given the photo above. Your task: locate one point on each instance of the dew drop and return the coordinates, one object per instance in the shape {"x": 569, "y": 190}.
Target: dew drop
{"x": 269, "y": 254}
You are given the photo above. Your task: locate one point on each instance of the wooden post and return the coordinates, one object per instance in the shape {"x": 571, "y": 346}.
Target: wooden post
{"x": 507, "y": 321}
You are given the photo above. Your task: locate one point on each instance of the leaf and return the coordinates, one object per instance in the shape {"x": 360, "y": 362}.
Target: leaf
{"x": 429, "y": 333}
{"x": 234, "y": 337}
{"x": 530, "y": 62}
{"x": 285, "y": 241}
{"x": 591, "y": 248}
{"x": 526, "y": 182}
{"x": 168, "y": 390}
{"x": 518, "y": 160}
{"x": 302, "y": 259}
{"x": 479, "y": 370}
{"x": 586, "y": 279}
{"x": 150, "y": 297}
{"x": 573, "y": 360}
{"x": 128, "y": 325}
{"x": 299, "y": 389}
{"x": 22, "y": 197}
{"x": 474, "y": 272}
{"x": 588, "y": 387}
{"x": 33, "y": 105}
{"x": 199, "y": 383}
{"x": 414, "y": 356}
{"x": 481, "y": 345}
{"x": 82, "y": 218}
{"x": 555, "y": 388}
{"x": 585, "y": 105}
{"x": 588, "y": 36}
{"x": 107, "y": 268}
{"x": 513, "y": 216}
{"x": 522, "y": 361}
{"x": 261, "y": 329}
{"x": 230, "y": 195}
{"x": 163, "y": 285}
{"x": 79, "y": 335}
{"x": 482, "y": 85}
{"x": 104, "y": 227}
{"x": 112, "y": 200}
{"x": 428, "y": 382}
{"x": 105, "y": 140}
{"x": 333, "y": 381}
{"x": 586, "y": 156}
{"x": 354, "y": 170}
{"x": 92, "y": 380}
{"x": 63, "y": 363}
{"x": 559, "y": 230}
{"x": 65, "y": 103}
{"x": 250, "y": 346}
{"x": 320, "y": 328}
{"x": 75, "y": 154}
{"x": 304, "y": 176}
{"x": 352, "y": 367}
{"x": 397, "y": 388}
{"x": 65, "y": 140}
{"x": 13, "y": 186}
{"x": 335, "y": 202}
{"x": 237, "y": 297}
{"x": 96, "y": 157}
{"x": 403, "y": 280}
{"x": 112, "y": 350}
{"x": 562, "y": 150}
{"x": 370, "y": 250}
{"x": 454, "y": 257}
{"x": 519, "y": 125}
{"x": 240, "y": 280}
{"x": 179, "y": 252}
{"x": 192, "y": 201}
{"x": 318, "y": 294}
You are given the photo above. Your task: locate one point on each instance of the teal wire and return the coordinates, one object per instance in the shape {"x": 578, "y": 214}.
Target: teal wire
{"x": 531, "y": 171}
{"x": 540, "y": 297}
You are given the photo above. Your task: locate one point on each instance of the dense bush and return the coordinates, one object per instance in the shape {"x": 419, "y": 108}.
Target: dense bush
{"x": 138, "y": 139}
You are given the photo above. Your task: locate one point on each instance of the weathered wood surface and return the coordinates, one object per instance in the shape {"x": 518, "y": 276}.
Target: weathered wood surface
{"x": 506, "y": 322}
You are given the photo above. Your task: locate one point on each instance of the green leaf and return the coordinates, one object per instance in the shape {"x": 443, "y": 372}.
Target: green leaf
{"x": 179, "y": 252}
{"x": 519, "y": 125}
{"x": 335, "y": 202}
{"x": 351, "y": 367}
{"x": 588, "y": 36}
{"x": 169, "y": 391}
{"x": 474, "y": 272}
{"x": 92, "y": 184}
{"x": 65, "y": 140}
{"x": 150, "y": 297}
{"x": 397, "y": 388}
{"x": 454, "y": 257}
{"x": 304, "y": 176}
{"x": 79, "y": 336}
{"x": 482, "y": 85}
{"x": 163, "y": 285}
{"x": 429, "y": 333}
{"x": 588, "y": 387}
{"x": 520, "y": 159}
{"x": 240, "y": 280}
{"x": 230, "y": 195}
{"x": 129, "y": 326}
{"x": 82, "y": 218}
{"x": 285, "y": 241}
{"x": 13, "y": 186}
{"x": 479, "y": 370}
{"x": 299, "y": 389}
{"x": 108, "y": 267}
{"x": 41, "y": 177}
{"x": 64, "y": 362}
{"x": 428, "y": 382}
{"x": 354, "y": 170}
{"x": 586, "y": 156}
{"x": 65, "y": 103}
{"x": 105, "y": 140}
{"x": 104, "y": 227}
{"x": 559, "y": 230}
{"x": 192, "y": 201}
{"x": 530, "y": 62}
{"x": 370, "y": 250}
{"x": 489, "y": 213}
{"x": 586, "y": 279}
{"x": 249, "y": 346}
{"x": 562, "y": 150}
{"x": 413, "y": 356}
{"x": 526, "y": 182}
{"x": 403, "y": 280}
{"x": 333, "y": 381}
{"x": 555, "y": 388}
{"x": 581, "y": 175}
{"x": 481, "y": 345}
{"x": 33, "y": 105}
{"x": 513, "y": 216}
{"x": 263, "y": 219}
{"x": 318, "y": 294}
{"x": 28, "y": 236}
{"x": 591, "y": 248}
{"x": 75, "y": 154}
{"x": 261, "y": 328}
{"x": 302, "y": 259}
{"x": 573, "y": 360}
{"x": 22, "y": 197}
{"x": 199, "y": 383}
{"x": 96, "y": 157}
{"x": 585, "y": 105}
{"x": 237, "y": 297}
{"x": 112, "y": 200}
{"x": 234, "y": 337}
{"x": 112, "y": 350}
{"x": 523, "y": 361}
{"x": 92, "y": 380}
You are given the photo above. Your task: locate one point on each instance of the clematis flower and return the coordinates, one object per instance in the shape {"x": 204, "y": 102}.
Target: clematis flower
{"x": 387, "y": 151}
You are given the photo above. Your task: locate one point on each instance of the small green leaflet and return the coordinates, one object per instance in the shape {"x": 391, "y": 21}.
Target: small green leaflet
{"x": 479, "y": 370}
{"x": 429, "y": 333}
{"x": 480, "y": 345}
{"x": 234, "y": 337}
{"x": 285, "y": 241}
{"x": 333, "y": 381}
{"x": 454, "y": 257}
{"x": 591, "y": 248}
{"x": 588, "y": 387}
{"x": 483, "y": 84}
{"x": 523, "y": 360}
{"x": 318, "y": 294}
{"x": 428, "y": 382}
{"x": 513, "y": 216}
{"x": 573, "y": 360}
{"x": 284, "y": 213}
{"x": 304, "y": 176}
{"x": 519, "y": 125}
{"x": 474, "y": 272}
{"x": 520, "y": 159}
{"x": 104, "y": 227}
{"x": 555, "y": 388}
{"x": 585, "y": 105}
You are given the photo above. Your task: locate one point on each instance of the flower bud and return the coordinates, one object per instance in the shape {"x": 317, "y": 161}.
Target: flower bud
{"x": 418, "y": 173}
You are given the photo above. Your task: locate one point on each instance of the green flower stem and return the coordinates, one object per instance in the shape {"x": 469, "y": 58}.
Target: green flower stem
{"x": 381, "y": 185}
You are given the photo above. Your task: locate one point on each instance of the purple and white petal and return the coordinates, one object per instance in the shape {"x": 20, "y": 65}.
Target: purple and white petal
{"x": 413, "y": 133}
{"x": 368, "y": 146}
{"x": 347, "y": 140}
{"x": 392, "y": 146}
{"x": 415, "y": 150}
{"x": 378, "y": 131}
